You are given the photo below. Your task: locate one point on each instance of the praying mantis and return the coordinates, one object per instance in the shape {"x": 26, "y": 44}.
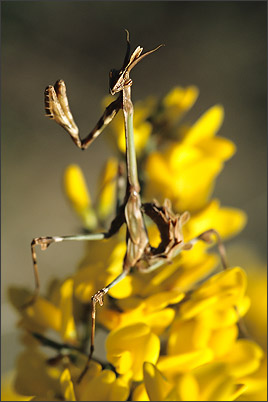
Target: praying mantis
{"x": 139, "y": 254}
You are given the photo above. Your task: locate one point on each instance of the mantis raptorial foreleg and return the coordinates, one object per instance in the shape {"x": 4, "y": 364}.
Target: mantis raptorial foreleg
{"x": 57, "y": 108}
{"x": 57, "y": 105}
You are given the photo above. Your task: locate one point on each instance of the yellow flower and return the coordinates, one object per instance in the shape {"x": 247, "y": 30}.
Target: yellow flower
{"x": 227, "y": 221}
{"x": 173, "y": 173}
{"x": 60, "y": 382}
{"x": 223, "y": 290}
{"x": 193, "y": 334}
{"x": 35, "y": 376}
{"x": 129, "y": 347}
{"x": 41, "y": 315}
{"x": 46, "y": 314}
{"x": 101, "y": 385}
{"x": 211, "y": 382}
{"x": 178, "y": 101}
{"x": 205, "y": 326}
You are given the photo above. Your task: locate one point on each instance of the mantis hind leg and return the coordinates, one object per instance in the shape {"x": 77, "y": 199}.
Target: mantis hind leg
{"x": 98, "y": 298}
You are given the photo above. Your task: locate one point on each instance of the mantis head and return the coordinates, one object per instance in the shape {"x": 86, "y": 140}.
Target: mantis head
{"x": 119, "y": 79}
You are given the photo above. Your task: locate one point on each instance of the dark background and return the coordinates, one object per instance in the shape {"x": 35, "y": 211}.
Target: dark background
{"x": 218, "y": 46}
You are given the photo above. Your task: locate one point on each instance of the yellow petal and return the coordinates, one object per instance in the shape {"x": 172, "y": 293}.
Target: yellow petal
{"x": 187, "y": 277}
{"x": 178, "y": 101}
{"x": 163, "y": 299}
{"x": 237, "y": 391}
{"x": 222, "y": 340}
{"x": 244, "y": 358}
{"x": 191, "y": 194}
{"x": 158, "y": 170}
{"x": 78, "y": 194}
{"x": 76, "y": 188}
{"x": 107, "y": 189}
{"x": 256, "y": 383}
{"x": 120, "y": 391}
{"x": 215, "y": 382}
{"x": 142, "y": 131}
{"x": 180, "y": 157}
{"x": 230, "y": 221}
{"x": 34, "y": 376}
{"x": 232, "y": 281}
{"x": 159, "y": 320}
{"x": 206, "y": 126}
{"x": 123, "y": 288}
{"x": 140, "y": 394}
{"x": 67, "y": 386}
{"x": 44, "y": 314}
{"x": 122, "y": 360}
{"x": 184, "y": 361}
{"x": 217, "y": 147}
{"x": 68, "y": 330}
{"x": 223, "y": 289}
{"x": 187, "y": 336}
{"x": 188, "y": 388}
{"x": 256, "y": 318}
{"x": 227, "y": 221}
{"x": 139, "y": 341}
{"x": 194, "y": 307}
{"x": 103, "y": 386}
{"x": 157, "y": 386}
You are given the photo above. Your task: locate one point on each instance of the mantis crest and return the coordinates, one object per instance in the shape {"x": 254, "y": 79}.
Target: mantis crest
{"x": 139, "y": 254}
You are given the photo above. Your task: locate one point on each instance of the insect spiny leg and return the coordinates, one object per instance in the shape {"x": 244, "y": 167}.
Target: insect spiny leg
{"x": 94, "y": 301}
{"x": 98, "y": 298}
{"x": 36, "y": 275}
{"x": 44, "y": 242}
{"x": 48, "y": 99}
{"x": 206, "y": 236}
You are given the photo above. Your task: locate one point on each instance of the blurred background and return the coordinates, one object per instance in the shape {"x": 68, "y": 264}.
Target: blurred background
{"x": 218, "y": 46}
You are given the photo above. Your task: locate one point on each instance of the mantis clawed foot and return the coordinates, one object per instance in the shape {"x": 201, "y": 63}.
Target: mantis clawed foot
{"x": 98, "y": 297}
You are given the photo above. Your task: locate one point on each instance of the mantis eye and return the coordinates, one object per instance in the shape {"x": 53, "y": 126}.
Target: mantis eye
{"x": 113, "y": 77}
